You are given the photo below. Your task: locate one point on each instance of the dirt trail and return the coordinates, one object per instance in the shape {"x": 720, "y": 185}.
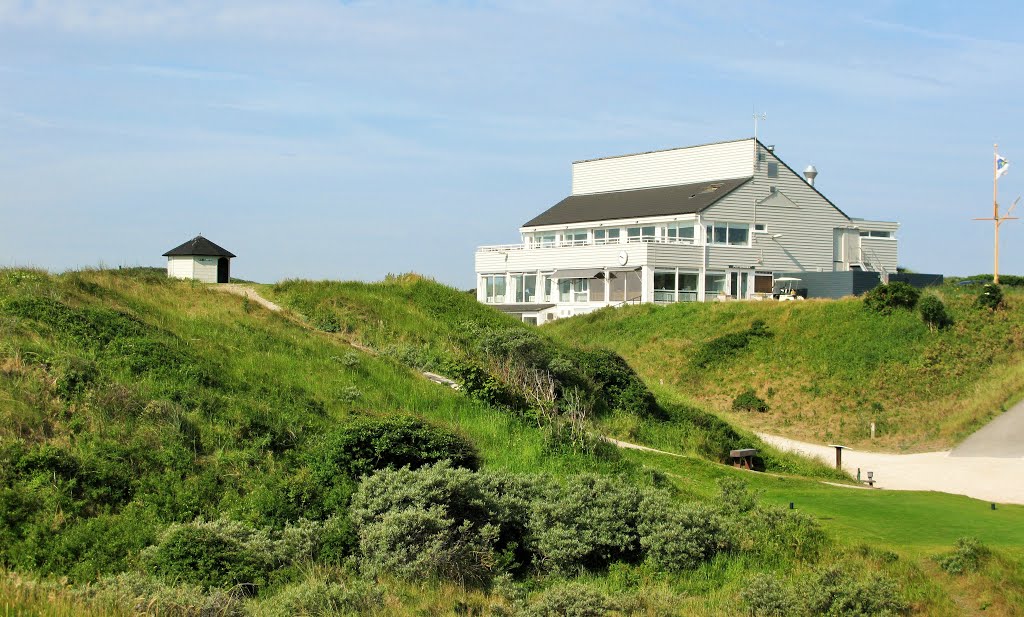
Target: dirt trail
{"x": 247, "y": 292}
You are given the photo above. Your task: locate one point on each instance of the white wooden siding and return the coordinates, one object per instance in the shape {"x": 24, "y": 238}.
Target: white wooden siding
{"x": 206, "y": 269}
{"x": 880, "y": 252}
{"x": 803, "y": 217}
{"x": 179, "y": 267}
{"x": 733, "y": 159}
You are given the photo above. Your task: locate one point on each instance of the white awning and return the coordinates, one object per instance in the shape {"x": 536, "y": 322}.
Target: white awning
{"x": 578, "y": 273}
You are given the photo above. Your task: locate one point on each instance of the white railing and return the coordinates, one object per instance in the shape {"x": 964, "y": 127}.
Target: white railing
{"x": 502, "y": 248}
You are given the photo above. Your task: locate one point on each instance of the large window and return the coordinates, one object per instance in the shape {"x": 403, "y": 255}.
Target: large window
{"x": 714, "y": 284}
{"x": 572, "y": 290}
{"x": 672, "y": 287}
{"x": 688, "y": 286}
{"x": 606, "y": 236}
{"x": 574, "y": 237}
{"x": 773, "y": 170}
{"x": 526, "y": 287}
{"x": 494, "y": 288}
{"x": 664, "y": 285}
{"x": 544, "y": 239}
{"x": 736, "y": 234}
{"x": 680, "y": 232}
{"x": 640, "y": 234}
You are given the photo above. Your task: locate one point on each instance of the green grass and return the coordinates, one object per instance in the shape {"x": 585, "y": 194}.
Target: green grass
{"x": 830, "y": 368}
{"x": 201, "y": 404}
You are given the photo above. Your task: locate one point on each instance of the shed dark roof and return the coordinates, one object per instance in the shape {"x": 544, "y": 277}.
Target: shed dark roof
{"x": 659, "y": 201}
{"x": 199, "y": 246}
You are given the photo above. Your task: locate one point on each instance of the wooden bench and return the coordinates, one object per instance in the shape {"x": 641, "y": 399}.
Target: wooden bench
{"x": 743, "y": 458}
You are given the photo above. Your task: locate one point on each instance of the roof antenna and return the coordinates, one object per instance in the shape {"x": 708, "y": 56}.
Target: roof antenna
{"x": 757, "y": 117}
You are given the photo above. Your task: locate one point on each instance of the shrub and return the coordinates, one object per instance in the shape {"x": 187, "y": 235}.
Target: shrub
{"x": 318, "y": 597}
{"x": 215, "y": 554}
{"x": 585, "y": 522}
{"x": 150, "y": 596}
{"x": 828, "y": 591}
{"x": 748, "y": 400}
{"x": 884, "y": 299}
{"x": 724, "y": 347}
{"x": 933, "y": 313}
{"x": 618, "y": 383}
{"x": 368, "y": 444}
{"x": 572, "y": 600}
{"x": 481, "y": 385}
{"x": 965, "y": 557}
{"x": 435, "y": 523}
{"x": 325, "y": 320}
{"x": 677, "y": 537}
{"x": 991, "y": 297}
{"x": 835, "y": 591}
{"x": 767, "y": 596}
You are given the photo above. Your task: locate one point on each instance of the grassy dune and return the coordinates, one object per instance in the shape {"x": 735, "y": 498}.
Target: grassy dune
{"x": 129, "y": 403}
{"x": 829, "y": 368}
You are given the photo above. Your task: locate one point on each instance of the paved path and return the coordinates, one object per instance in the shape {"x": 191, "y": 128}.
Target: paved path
{"x": 989, "y": 478}
{"x": 1003, "y": 437}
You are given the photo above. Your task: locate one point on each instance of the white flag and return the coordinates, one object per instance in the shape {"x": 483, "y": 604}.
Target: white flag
{"x": 1002, "y": 166}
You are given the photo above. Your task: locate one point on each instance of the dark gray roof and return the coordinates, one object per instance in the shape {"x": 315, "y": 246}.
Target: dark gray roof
{"x": 658, "y": 201}
{"x": 520, "y": 308}
{"x": 199, "y": 246}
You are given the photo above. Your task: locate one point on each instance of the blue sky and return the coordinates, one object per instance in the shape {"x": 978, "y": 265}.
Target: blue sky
{"x": 350, "y": 140}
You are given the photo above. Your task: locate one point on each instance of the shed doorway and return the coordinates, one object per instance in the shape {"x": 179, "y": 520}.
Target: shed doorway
{"x": 223, "y": 270}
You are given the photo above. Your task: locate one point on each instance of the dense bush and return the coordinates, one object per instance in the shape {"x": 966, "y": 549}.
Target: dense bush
{"x": 617, "y": 384}
{"x": 722, "y": 348}
{"x": 318, "y": 597}
{"x": 991, "y": 297}
{"x": 571, "y": 600}
{"x": 675, "y": 537}
{"x": 934, "y": 313}
{"x": 748, "y": 400}
{"x": 215, "y": 554}
{"x": 886, "y": 298}
{"x": 967, "y": 556}
{"x": 478, "y": 383}
{"x": 223, "y": 553}
{"x": 828, "y": 591}
{"x": 147, "y": 595}
{"x": 367, "y": 444}
{"x": 585, "y": 522}
{"x": 439, "y": 522}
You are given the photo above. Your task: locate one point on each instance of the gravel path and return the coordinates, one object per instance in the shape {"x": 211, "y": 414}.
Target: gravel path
{"x": 1003, "y": 437}
{"x": 983, "y": 477}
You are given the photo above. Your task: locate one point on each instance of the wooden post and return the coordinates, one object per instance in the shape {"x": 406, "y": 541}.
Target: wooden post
{"x": 839, "y": 454}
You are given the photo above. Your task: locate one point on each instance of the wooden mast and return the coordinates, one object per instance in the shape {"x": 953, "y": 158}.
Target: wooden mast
{"x": 996, "y": 219}
{"x": 995, "y": 210}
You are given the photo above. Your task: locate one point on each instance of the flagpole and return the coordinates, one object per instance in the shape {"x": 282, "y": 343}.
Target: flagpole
{"x": 995, "y": 210}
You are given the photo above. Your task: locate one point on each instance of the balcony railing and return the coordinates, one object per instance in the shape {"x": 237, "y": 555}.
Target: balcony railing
{"x": 502, "y": 248}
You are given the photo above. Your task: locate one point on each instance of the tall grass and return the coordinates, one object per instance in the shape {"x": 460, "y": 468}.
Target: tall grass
{"x": 830, "y": 368}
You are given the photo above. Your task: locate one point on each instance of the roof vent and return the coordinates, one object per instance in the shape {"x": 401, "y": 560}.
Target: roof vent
{"x": 810, "y": 173}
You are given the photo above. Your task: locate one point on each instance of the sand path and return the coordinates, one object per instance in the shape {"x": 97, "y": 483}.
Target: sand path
{"x": 991, "y": 478}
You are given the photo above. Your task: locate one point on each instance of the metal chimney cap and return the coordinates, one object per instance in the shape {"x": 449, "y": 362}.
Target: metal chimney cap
{"x": 810, "y": 173}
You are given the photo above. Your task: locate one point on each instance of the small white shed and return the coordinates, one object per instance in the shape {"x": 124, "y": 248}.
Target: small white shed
{"x": 201, "y": 260}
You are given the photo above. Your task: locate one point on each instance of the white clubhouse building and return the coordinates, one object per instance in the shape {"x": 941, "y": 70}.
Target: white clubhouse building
{"x": 712, "y": 222}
